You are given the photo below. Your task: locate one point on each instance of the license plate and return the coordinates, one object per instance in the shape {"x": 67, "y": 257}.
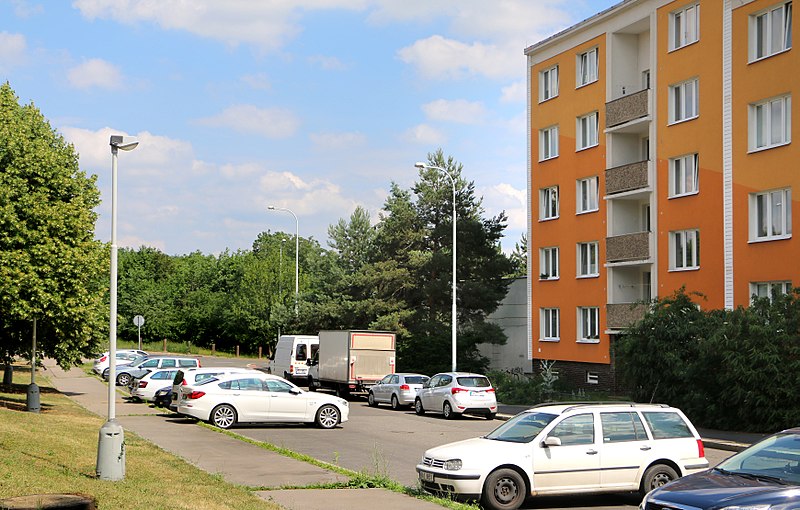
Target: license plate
{"x": 425, "y": 476}
{"x": 477, "y": 394}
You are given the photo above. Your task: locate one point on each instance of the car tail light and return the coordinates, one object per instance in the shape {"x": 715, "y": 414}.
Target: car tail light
{"x": 199, "y": 365}
{"x": 701, "y": 450}
{"x": 184, "y": 383}
{"x": 291, "y": 369}
{"x": 453, "y": 391}
{"x": 490, "y": 390}
{"x": 103, "y": 359}
{"x": 143, "y": 384}
{"x": 405, "y": 387}
{"x": 195, "y": 395}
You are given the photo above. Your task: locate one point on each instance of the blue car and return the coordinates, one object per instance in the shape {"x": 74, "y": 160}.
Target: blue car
{"x": 765, "y": 476}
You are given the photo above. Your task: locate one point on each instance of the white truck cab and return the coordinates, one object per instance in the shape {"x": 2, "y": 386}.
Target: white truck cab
{"x": 291, "y": 355}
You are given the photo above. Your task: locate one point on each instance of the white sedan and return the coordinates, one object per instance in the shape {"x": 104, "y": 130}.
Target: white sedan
{"x": 146, "y": 387}
{"x": 259, "y": 398}
{"x": 123, "y": 356}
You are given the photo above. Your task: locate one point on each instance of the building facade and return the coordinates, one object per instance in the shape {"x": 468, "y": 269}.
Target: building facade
{"x": 660, "y": 156}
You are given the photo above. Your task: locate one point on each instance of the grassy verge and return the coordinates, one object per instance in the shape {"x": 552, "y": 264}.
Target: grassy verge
{"x": 55, "y": 451}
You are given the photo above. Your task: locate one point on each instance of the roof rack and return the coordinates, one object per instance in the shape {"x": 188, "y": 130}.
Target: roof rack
{"x": 575, "y": 405}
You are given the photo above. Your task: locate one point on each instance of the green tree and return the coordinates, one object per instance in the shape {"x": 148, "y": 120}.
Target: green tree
{"x": 519, "y": 257}
{"x": 51, "y": 267}
{"x": 144, "y": 289}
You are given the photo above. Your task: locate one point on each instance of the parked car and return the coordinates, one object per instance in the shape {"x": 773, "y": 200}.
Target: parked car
{"x": 145, "y": 387}
{"x": 762, "y": 477}
{"x": 138, "y": 368}
{"x": 229, "y": 399}
{"x": 192, "y": 376}
{"x": 163, "y": 397}
{"x": 397, "y": 389}
{"x": 554, "y": 449}
{"x": 457, "y": 393}
{"x": 122, "y": 356}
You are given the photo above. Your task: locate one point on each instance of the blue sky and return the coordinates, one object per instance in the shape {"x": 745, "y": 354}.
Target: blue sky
{"x": 312, "y": 105}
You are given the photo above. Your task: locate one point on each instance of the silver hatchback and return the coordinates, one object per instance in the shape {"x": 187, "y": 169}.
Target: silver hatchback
{"x": 397, "y": 390}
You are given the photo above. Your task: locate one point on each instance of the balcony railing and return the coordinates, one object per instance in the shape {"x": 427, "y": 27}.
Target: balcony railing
{"x": 624, "y": 315}
{"x": 628, "y": 247}
{"x": 627, "y": 177}
{"x": 627, "y": 108}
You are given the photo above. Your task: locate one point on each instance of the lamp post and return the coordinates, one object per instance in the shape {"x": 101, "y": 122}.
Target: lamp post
{"x": 423, "y": 166}
{"x": 111, "y": 445}
{"x": 296, "y": 252}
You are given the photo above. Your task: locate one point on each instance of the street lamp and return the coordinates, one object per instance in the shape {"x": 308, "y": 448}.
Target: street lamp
{"x": 423, "y": 166}
{"x": 296, "y": 252}
{"x": 111, "y": 445}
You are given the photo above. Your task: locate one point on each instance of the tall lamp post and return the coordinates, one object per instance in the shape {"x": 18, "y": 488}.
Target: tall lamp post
{"x": 296, "y": 252}
{"x": 111, "y": 445}
{"x": 423, "y": 166}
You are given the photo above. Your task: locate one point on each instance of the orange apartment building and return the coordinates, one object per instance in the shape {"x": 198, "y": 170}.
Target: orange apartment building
{"x": 660, "y": 155}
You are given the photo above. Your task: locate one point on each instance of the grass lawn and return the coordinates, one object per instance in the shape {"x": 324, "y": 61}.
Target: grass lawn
{"x": 55, "y": 451}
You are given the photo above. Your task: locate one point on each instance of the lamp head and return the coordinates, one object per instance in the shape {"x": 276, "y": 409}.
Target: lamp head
{"x": 420, "y": 165}
{"x": 271, "y": 207}
{"x": 119, "y": 142}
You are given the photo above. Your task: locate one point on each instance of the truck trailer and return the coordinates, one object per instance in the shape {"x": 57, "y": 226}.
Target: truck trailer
{"x": 351, "y": 361}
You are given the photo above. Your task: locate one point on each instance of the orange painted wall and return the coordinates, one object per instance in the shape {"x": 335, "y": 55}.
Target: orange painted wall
{"x": 568, "y": 292}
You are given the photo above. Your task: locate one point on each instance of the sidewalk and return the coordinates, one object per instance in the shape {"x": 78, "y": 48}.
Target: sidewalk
{"x": 236, "y": 461}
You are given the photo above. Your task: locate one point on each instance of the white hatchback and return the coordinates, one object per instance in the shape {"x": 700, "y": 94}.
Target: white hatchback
{"x": 566, "y": 449}
{"x": 229, "y": 399}
{"x": 146, "y": 387}
{"x": 457, "y": 393}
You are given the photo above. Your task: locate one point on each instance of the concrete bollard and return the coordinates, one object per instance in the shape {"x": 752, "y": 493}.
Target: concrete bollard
{"x": 32, "y": 401}
{"x": 111, "y": 452}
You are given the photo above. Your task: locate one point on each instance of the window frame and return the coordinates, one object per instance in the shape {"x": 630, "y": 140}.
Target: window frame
{"x": 588, "y": 320}
{"x": 548, "y": 81}
{"x": 783, "y": 287}
{"x": 592, "y": 125}
{"x": 550, "y": 135}
{"x": 588, "y": 194}
{"x": 768, "y": 222}
{"x": 549, "y": 263}
{"x": 579, "y": 67}
{"x": 755, "y": 36}
{"x": 545, "y": 199}
{"x": 546, "y": 324}
{"x": 678, "y": 165}
{"x": 677, "y": 42}
{"x": 585, "y": 266}
{"x": 674, "y": 100}
{"x": 785, "y": 100}
{"x": 686, "y": 263}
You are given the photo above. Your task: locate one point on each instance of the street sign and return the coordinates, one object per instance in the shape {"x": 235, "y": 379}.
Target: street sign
{"x": 138, "y": 321}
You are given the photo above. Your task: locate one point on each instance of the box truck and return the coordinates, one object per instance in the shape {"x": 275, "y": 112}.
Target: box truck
{"x": 351, "y": 361}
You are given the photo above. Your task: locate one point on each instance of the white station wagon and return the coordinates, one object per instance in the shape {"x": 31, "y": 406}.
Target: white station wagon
{"x": 566, "y": 449}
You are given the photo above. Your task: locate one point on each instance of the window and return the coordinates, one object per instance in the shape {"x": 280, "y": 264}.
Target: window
{"x": 771, "y": 215}
{"x": 592, "y": 378}
{"x": 575, "y": 430}
{"x": 587, "y": 67}
{"x": 548, "y": 84}
{"x": 769, "y": 289}
{"x": 548, "y": 143}
{"x": 548, "y": 263}
{"x": 588, "y": 324}
{"x": 587, "y": 259}
{"x": 618, "y": 427}
{"x": 168, "y": 363}
{"x": 771, "y": 31}
{"x": 586, "y": 131}
{"x": 549, "y": 324}
{"x": 771, "y": 123}
{"x": 548, "y": 203}
{"x": 587, "y": 195}
{"x": 684, "y": 249}
{"x": 666, "y": 425}
{"x": 684, "y": 103}
{"x": 684, "y": 26}
{"x": 683, "y": 174}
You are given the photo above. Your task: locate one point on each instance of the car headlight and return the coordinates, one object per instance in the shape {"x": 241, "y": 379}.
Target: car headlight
{"x": 452, "y": 464}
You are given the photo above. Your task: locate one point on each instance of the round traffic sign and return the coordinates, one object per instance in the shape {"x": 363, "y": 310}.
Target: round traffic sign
{"x": 138, "y": 321}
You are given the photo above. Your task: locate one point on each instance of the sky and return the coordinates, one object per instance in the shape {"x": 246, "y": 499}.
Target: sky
{"x": 315, "y": 106}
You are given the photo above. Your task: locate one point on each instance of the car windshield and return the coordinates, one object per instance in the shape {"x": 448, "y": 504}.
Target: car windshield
{"x": 138, "y": 359}
{"x": 522, "y": 428}
{"x": 474, "y": 381}
{"x": 416, "y": 379}
{"x": 776, "y": 458}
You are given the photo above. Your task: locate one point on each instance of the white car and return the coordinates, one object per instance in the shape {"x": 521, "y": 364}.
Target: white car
{"x": 397, "y": 389}
{"x": 457, "y": 393}
{"x": 565, "y": 449}
{"x": 146, "y": 387}
{"x": 192, "y": 376}
{"x": 229, "y": 399}
{"x": 123, "y": 356}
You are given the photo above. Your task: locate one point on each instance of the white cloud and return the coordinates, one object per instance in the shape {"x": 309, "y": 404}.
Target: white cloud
{"x": 460, "y": 111}
{"x": 95, "y": 73}
{"x": 258, "y": 81}
{"x": 425, "y": 135}
{"x": 338, "y": 140}
{"x": 12, "y": 50}
{"x": 517, "y": 92}
{"x": 23, "y": 9}
{"x": 238, "y": 171}
{"x": 304, "y": 198}
{"x": 328, "y": 63}
{"x": 266, "y": 122}
{"x": 439, "y": 58}
{"x": 505, "y": 197}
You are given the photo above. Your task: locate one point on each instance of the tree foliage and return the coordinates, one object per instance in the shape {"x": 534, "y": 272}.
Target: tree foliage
{"x": 51, "y": 267}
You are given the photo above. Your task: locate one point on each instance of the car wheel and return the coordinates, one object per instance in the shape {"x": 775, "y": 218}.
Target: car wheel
{"x": 656, "y": 476}
{"x": 105, "y": 373}
{"x": 504, "y": 490}
{"x": 490, "y": 416}
{"x": 223, "y": 416}
{"x": 418, "y": 407}
{"x": 395, "y": 403}
{"x": 371, "y": 400}
{"x": 447, "y": 411}
{"x": 123, "y": 379}
{"x": 327, "y": 416}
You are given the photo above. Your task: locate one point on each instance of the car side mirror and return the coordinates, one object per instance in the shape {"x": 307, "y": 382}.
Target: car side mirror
{"x": 295, "y": 391}
{"x": 551, "y": 441}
